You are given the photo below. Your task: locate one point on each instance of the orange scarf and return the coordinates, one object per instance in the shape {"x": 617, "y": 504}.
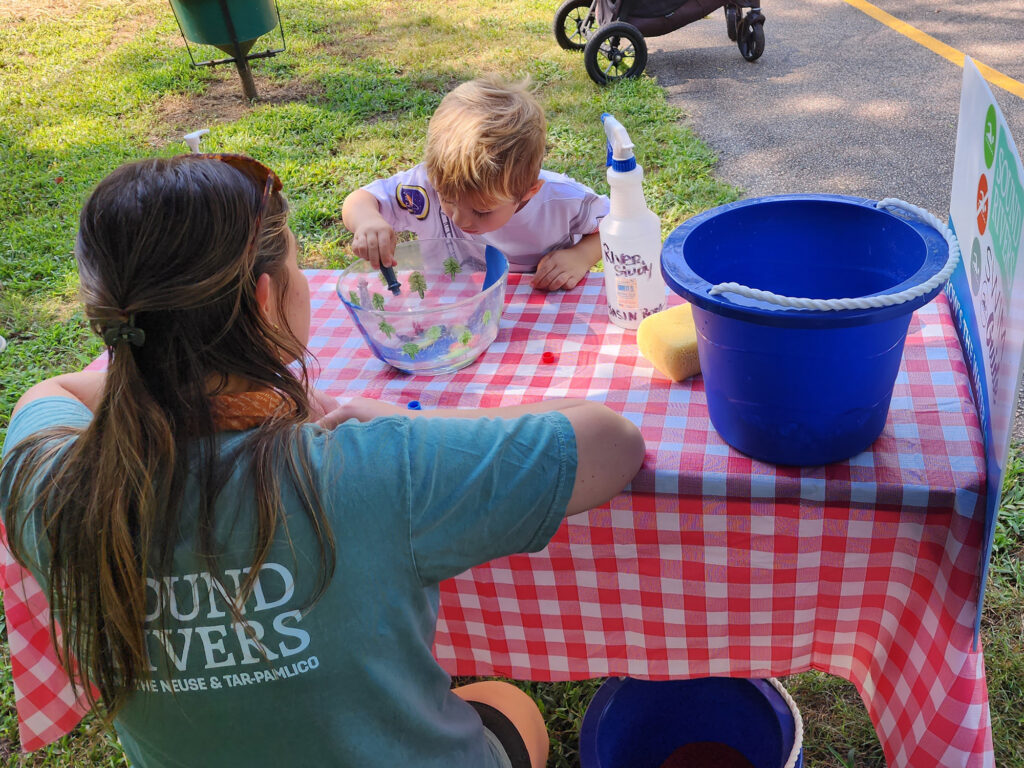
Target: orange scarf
{"x": 245, "y": 410}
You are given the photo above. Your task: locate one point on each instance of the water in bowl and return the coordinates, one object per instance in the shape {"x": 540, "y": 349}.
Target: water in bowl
{"x": 446, "y": 312}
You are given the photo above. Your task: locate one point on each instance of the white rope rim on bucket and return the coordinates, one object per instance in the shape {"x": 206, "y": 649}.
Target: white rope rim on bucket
{"x": 864, "y": 302}
{"x": 798, "y": 723}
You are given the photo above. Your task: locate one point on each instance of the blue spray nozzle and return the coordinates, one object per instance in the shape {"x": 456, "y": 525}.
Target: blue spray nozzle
{"x": 620, "y": 147}
{"x": 391, "y": 279}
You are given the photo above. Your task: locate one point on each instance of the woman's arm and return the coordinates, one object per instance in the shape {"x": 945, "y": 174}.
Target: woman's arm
{"x": 610, "y": 451}
{"x": 609, "y": 448}
{"x": 84, "y": 386}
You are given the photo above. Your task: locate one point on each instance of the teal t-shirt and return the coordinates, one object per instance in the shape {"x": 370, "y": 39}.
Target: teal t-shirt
{"x": 352, "y": 681}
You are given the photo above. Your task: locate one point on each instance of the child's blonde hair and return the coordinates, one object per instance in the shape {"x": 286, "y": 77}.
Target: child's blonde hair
{"x": 486, "y": 139}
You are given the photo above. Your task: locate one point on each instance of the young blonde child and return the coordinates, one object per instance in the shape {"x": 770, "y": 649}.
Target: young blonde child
{"x": 246, "y": 571}
{"x": 481, "y": 179}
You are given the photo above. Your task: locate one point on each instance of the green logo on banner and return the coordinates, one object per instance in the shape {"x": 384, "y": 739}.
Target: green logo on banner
{"x": 1006, "y": 218}
{"x": 991, "y": 127}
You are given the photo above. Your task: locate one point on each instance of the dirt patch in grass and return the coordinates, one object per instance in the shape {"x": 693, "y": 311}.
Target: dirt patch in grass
{"x": 23, "y": 318}
{"x": 223, "y": 102}
{"x": 129, "y": 23}
{"x": 42, "y": 10}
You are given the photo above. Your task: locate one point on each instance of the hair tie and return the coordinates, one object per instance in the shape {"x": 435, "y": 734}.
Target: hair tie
{"x": 124, "y": 332}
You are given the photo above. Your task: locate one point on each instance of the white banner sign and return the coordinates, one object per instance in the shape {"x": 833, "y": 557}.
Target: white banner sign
{"x": 987, "y": 213}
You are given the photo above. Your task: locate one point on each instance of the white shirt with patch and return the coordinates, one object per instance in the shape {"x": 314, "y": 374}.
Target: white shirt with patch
{"x": 562, "y": 211}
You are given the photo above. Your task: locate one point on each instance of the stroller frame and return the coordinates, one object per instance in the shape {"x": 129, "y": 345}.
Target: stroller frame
{"x": 611, "y": 32}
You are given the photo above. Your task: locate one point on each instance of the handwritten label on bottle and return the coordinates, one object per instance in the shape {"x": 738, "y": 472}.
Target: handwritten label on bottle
{"x": 633, "y": 293}
{"x": 626, "y": 264}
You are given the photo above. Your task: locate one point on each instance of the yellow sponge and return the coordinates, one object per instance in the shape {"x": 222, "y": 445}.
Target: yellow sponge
{"x": 669, "y": 340}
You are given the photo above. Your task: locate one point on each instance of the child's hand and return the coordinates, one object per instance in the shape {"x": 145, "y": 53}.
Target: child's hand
{"x": 375, "y": 241}
{"x": 562, "y": 270}
{"x": 373, "y": 238}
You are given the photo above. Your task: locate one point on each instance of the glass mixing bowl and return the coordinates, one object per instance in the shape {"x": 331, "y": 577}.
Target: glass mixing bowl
{"x": 446, "y": 310}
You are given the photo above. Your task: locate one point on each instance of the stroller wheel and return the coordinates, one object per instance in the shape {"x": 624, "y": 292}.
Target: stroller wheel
{"x": 730, "y": 21}
{"x": 574, "y": 21}
{"x": 616, "y": 51}
{"x": 750, "y": 39}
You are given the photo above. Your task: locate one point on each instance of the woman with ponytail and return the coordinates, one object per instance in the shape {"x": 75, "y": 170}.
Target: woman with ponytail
{"x": 243, "y": 572}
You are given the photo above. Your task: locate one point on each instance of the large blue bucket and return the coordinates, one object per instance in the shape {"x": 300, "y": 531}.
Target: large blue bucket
{"x": 641, "y": 723}
{"x": 793, "y": 385}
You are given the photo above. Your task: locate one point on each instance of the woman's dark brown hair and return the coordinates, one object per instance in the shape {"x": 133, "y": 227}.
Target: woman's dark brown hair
{"x": 167, "y": 246}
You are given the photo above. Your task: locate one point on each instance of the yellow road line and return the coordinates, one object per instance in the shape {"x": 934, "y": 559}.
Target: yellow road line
{"x": 947, "y": 52}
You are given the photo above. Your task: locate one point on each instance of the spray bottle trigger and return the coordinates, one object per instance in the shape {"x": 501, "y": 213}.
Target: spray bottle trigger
{"x": 192, "y": 139}
{"x": 620, "y": 146}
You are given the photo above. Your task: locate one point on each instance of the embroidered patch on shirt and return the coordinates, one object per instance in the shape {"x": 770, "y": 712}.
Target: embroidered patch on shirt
{"x": 414, "y": 200}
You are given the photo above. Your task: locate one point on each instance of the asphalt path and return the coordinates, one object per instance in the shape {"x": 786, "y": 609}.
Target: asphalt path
{"x": 841, "y": 102}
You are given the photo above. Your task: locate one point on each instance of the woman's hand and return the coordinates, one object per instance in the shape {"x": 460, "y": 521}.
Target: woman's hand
{"x": 320, "y": 404}
{"x": 360, "y": 409}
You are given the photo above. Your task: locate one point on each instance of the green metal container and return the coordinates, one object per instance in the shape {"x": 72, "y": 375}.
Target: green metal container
{"x": 202, "y": 21}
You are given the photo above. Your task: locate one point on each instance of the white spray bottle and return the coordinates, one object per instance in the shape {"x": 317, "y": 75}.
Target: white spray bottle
{"x": 630, "y": 237}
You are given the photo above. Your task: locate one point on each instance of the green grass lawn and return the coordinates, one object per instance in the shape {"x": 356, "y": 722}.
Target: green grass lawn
{"x": 87, "y": 85}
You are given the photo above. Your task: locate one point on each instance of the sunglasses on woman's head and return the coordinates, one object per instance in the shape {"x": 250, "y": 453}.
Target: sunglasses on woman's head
{"x": 255, "y": 170}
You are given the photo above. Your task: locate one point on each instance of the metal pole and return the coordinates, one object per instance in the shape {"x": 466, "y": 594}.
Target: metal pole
{"x": 241, "y": 62}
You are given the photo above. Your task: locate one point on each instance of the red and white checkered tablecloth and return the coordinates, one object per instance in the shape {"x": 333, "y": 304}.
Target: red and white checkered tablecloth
{"x": 711, "y": 563}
